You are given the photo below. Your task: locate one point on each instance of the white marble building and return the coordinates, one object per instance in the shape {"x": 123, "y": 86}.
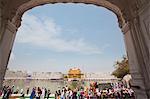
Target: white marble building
{"x": 100, "y": 77}
{"x": 20, "y": 79}
{"x": 51, "y": 80}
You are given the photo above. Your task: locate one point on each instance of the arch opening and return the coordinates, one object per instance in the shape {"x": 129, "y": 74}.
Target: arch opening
{"x": 41, "y": 35}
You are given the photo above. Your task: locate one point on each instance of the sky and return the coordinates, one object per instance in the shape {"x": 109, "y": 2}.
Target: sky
{"x": 57, "y": 37}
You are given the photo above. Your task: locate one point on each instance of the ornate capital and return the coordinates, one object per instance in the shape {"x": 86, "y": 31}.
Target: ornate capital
{"x": 17, "y": 20}
{"x": 125, "y": 28}
{"x": 11, "y": 27}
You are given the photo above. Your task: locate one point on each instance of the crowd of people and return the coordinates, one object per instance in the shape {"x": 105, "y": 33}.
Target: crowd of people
{"x": 92, "y": 92}
{"x": 36, "y": 92}
{"x": 96, "y": 93}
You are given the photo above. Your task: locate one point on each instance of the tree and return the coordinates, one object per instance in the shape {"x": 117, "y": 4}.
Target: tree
{"x": 65, "y": 76}
{"x": 75, "y": 85}
{"x": 121, "y": 68}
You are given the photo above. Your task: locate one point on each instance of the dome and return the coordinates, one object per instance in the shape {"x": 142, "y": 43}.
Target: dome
{"x": 74, "y": 73}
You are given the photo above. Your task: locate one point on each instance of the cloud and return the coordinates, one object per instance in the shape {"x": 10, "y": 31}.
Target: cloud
{"x": 45, "y": 33}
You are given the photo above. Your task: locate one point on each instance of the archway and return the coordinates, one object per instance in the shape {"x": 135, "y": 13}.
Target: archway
{"x": 134, "y": 22}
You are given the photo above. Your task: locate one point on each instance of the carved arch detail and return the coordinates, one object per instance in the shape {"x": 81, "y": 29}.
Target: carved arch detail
{"x": 33, "y": 3}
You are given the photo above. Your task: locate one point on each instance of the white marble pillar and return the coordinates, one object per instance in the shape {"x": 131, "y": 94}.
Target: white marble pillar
{"x": 144, "y": 21}
{"x": 6, "y": 44}
{"x": 137, "y": 79}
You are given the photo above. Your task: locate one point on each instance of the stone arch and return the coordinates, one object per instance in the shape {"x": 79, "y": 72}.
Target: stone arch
{"x": 133, "y": 18}
{"x": 16, "y": 20}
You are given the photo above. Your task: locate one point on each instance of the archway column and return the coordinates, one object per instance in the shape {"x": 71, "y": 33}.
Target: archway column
{"x": 143, "y": 26}
{"x": 137, "y": 82}
{"x": 137, "y": 39}
{"x": 6, "y": 44}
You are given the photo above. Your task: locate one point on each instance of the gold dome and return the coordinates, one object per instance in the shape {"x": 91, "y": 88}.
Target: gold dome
{"x": 74, "y": 73}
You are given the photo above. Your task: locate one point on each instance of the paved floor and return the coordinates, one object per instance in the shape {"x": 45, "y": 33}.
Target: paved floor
{"x": 17, "y": 96}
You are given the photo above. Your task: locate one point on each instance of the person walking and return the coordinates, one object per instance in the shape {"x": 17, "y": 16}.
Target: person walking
{"x": 39, "y": 92}
{"x": 27, "y": 91}
{"x": 22, "y": 93}
{"x": 32, "y": 96}
{"x": 62, "y": 95}
{"x": 4, "y": 91}
{"x": 43, "y": 93}
{"x": 48, "y": 94}
{"x": 56, "y": 95}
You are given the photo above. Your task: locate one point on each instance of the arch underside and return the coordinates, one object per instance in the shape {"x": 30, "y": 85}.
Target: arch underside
{"x": 34, "y": 3}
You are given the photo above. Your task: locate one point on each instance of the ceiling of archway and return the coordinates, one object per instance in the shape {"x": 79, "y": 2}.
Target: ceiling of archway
{"x": 124, "y": 9}
{"x": 17, "y": 8}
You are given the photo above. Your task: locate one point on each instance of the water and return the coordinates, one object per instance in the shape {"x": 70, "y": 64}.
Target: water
{"x": 52, "y": 85}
